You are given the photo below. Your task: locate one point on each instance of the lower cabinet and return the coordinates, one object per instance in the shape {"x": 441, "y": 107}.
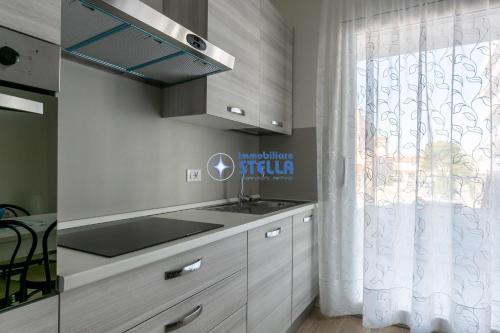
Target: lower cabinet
{"x": 203, "y": 311}
{"x": 256, "y": 282}
{"x": 305, "y": 263}
{"x": 270, "y": 278}
{"x": 37, "y": 317}
{"x": 119, "y": 303}
{"x": 236, "y": 323}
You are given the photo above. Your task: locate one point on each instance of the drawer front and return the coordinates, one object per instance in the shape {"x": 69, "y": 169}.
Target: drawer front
{"x": 305, "y": 262}
{"x": 38, "y": 18}
{"x": 119, "y": 303}
{"x": 236, "y": 323}
{"x": 37, "y": 317}
{"x": 233, "y": 25}
{"x": 203, "y": 311}
{"x": 270, "y": 277}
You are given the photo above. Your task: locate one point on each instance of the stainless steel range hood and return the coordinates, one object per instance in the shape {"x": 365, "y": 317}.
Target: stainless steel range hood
{"x": 132, "y": 38}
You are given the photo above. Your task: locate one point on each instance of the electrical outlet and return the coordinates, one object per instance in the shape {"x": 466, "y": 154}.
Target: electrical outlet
{"x": 193, "y": 175}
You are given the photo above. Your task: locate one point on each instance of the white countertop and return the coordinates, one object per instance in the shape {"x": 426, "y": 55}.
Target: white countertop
{"x": 76, "y": 269}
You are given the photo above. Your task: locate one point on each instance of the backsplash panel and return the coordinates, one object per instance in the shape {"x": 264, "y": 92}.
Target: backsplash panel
{"x": 117, "y": 155}
{"x": 302, "y": 144}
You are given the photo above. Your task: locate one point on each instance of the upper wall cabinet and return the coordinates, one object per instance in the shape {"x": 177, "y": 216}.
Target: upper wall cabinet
{"x": 235, "y": 25}
{"x": 41, "y": 19}
{"x": 242, "y": 99}
{"x": 276, "y": 52}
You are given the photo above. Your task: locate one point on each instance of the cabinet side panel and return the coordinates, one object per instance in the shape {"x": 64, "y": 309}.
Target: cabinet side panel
{"x": 185, "y": 99}
{"x": 190, "y": 13}
{"x": 38, "y": 18}
{"x": 37, "y": 317}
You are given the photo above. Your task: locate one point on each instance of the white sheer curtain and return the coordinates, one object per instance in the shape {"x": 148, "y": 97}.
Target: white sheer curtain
{"x": 409, "y": 166}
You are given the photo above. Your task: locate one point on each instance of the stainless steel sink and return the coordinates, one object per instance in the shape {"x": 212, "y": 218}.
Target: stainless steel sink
{"x": 258, "y": 207}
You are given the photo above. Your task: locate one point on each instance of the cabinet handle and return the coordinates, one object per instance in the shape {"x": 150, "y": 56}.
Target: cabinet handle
{"x": 277, "y": 123}
{"x": 307, "y": 219}
{"x": 236, "y": 110}
{"x": 273, "y": 233}
{"x": 186, "y": 319}
{"x": 193, "y": 267}
{"x": 20, "y": 104}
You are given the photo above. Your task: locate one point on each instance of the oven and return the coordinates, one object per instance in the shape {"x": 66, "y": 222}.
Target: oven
{"x": 29, "y": 83}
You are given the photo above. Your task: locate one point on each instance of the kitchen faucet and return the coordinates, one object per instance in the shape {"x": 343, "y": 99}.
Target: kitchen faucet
{"x": 241, "y": 196}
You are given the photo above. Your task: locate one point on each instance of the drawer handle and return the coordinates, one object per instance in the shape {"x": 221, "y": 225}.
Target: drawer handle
{"x": 14, "y": 103}
{"x": 273, "y": 233}
{"x": 186, "y": 319}
{"x": 307, "y": 219}
{"x": 277, "y": 123}
{"x": 193, "y": 267}
{"x": 236, "y": 110}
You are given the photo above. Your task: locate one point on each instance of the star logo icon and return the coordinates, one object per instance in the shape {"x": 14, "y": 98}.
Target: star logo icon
{"x": 220, "y": 166}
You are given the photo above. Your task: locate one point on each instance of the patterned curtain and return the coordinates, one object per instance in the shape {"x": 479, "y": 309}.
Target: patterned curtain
{"x": 409, "y": 173}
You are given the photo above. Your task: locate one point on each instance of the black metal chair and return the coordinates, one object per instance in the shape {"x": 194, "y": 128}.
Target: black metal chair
{"x": 42, "y": 277}
{"x": 15, "y": 290}
{"x": 14, "y": 210}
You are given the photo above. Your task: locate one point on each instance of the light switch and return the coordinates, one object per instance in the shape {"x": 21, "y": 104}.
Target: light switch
{"x": 193, "y": 175}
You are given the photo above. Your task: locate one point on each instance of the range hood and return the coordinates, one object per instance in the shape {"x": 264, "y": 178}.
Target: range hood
{"x": 129, "y": 37}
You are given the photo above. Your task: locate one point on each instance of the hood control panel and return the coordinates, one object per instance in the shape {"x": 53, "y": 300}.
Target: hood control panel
{"x": 196, "y": 42}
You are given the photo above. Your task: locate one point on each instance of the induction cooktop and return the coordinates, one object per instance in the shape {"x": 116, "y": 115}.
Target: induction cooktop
{"x": 116, "y": 238}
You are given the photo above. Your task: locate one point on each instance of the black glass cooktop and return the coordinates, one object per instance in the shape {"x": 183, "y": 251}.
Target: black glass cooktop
{"x": 117, "y": 238}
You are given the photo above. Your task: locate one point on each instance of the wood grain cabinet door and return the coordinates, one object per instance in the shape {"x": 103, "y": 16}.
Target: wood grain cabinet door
{"x": 120, "y": 302}
{"x": 233, "y": 25}
{"x": 202, "y": 312}
{"x": 38, "y": 18}
{"x": 270, "y": 277}
{"x": 276, "y": 52}
{"x": 37, "y": 317}
{"x": 305, "y": 262}
{"x": 236, "y": 323}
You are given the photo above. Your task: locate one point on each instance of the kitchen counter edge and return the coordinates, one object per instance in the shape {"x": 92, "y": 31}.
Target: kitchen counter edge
{"x": 76, "y": 279}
